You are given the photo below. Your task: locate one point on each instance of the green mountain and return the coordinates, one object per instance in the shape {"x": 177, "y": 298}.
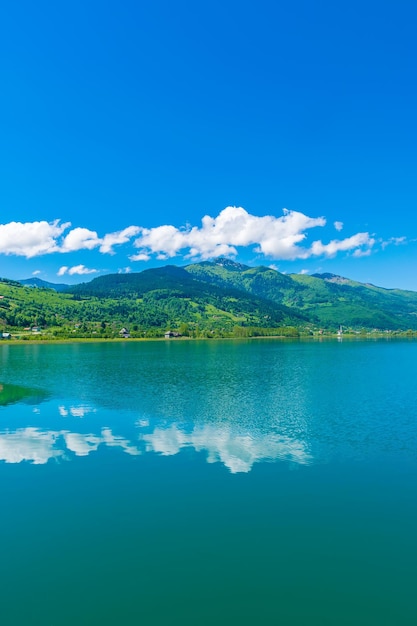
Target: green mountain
{"x": 174, "y": 294}
{"x": 212, "y": 298}
{"x": 327, "y": 299}
{"x": 337, "y": 300}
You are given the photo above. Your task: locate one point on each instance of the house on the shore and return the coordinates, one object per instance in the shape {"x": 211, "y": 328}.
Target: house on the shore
{"x": 6, "y": 336}
{"x": 124, "y": 333}
{"x": 170, "y": 334}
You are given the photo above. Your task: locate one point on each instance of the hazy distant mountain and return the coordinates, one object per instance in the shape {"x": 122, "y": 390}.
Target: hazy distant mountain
{"x": 38, "y": 282}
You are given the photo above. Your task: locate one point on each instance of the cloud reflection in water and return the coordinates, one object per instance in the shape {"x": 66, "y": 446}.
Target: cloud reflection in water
{"x": 29, "y": 444}
{"x": 238, "y": 451}
{"x": 235, "y": 446}
{"x": 39, "y": 446}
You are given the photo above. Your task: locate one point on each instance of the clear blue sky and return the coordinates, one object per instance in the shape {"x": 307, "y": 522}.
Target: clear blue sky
{"x": 120, "y": 118}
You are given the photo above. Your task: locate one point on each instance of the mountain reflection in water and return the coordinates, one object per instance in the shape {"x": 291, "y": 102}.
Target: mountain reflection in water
{"x": 9, "y": 394}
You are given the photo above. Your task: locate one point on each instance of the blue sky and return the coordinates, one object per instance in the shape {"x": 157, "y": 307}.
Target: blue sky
{"x": 140, "y": 134}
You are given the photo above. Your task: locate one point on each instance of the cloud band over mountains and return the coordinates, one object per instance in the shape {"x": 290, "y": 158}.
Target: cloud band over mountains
{"x": 275, "y": 238}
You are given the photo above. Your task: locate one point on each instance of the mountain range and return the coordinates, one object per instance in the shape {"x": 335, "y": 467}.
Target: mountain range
{"x": 215, "y": 296}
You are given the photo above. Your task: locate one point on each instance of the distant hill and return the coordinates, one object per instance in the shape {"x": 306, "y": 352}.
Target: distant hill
{"x": 42, "y": 284}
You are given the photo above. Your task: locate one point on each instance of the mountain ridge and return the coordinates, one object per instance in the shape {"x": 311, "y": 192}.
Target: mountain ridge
{"x": 222, "y": 293}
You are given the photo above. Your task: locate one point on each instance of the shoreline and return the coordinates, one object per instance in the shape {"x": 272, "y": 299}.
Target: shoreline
{"x": 315, "y": 338}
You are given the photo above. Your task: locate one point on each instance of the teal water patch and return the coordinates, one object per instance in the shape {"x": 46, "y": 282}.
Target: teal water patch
{"x": 210, "y": 483}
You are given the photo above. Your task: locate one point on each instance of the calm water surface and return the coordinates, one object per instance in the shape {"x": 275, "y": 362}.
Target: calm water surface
{"x": 197, "y": 483}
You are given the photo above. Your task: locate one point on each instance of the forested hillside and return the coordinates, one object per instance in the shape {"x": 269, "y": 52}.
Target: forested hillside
{"x": 147, "y": 304}
{"x": 210, "y": 299}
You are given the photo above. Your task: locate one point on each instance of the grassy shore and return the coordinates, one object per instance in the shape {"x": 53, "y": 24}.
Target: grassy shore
{"x": 36, "y": 340}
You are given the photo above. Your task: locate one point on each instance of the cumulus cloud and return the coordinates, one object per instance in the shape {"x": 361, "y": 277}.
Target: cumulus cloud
{"x": 117, "y": 239}
{"x": 85, "y": 239}
{"x": 275, "y": 237}
{"x": 30, "y": 239}
{"x": 80, "y": 239}
{"x": 76, "y": 269}
{"x": 141, "y": 256}
{"x": 359, "y": 244}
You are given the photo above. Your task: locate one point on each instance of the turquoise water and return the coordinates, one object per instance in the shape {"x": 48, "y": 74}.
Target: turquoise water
{"x": 253, "y": 482}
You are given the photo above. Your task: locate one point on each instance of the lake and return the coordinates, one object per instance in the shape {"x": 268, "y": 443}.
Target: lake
{"x": 214, "y": 482}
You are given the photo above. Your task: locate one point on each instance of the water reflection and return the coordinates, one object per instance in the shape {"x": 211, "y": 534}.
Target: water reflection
{"x": 236, "y": 447}
{"x": 238, "y": 451}
{"x": 76, "y": 411}
{"x": 9, "y": 394}
{"x": 39, "y": 446}
{"x": 29, "y": 444}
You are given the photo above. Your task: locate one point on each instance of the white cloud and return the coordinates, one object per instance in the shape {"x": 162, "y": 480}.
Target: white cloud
{"x": 221, "y": 236}
{"x": 36, "y": 272}
{"x": 30, "y": 239}
{"x": 359, "y": 244}
{"x": 280, "y": 238}
{"x": 304, "y": 272}
{"x": 276, "y": 237}
{"x": 81, "y": 269}
{"x": 140, "y": 257}
{"x": 118, "y": 238}
{"x": 80, "y": 239}
{"x": 85, "y": 239}
{"x": 359, "y": 252}
{"x": 396, "y": 241}
{"x": 77, "y": 269}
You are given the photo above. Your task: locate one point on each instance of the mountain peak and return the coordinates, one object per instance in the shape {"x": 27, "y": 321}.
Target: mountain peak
{"x": 230, "y": 264}
{"x": 332, "y": 278}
